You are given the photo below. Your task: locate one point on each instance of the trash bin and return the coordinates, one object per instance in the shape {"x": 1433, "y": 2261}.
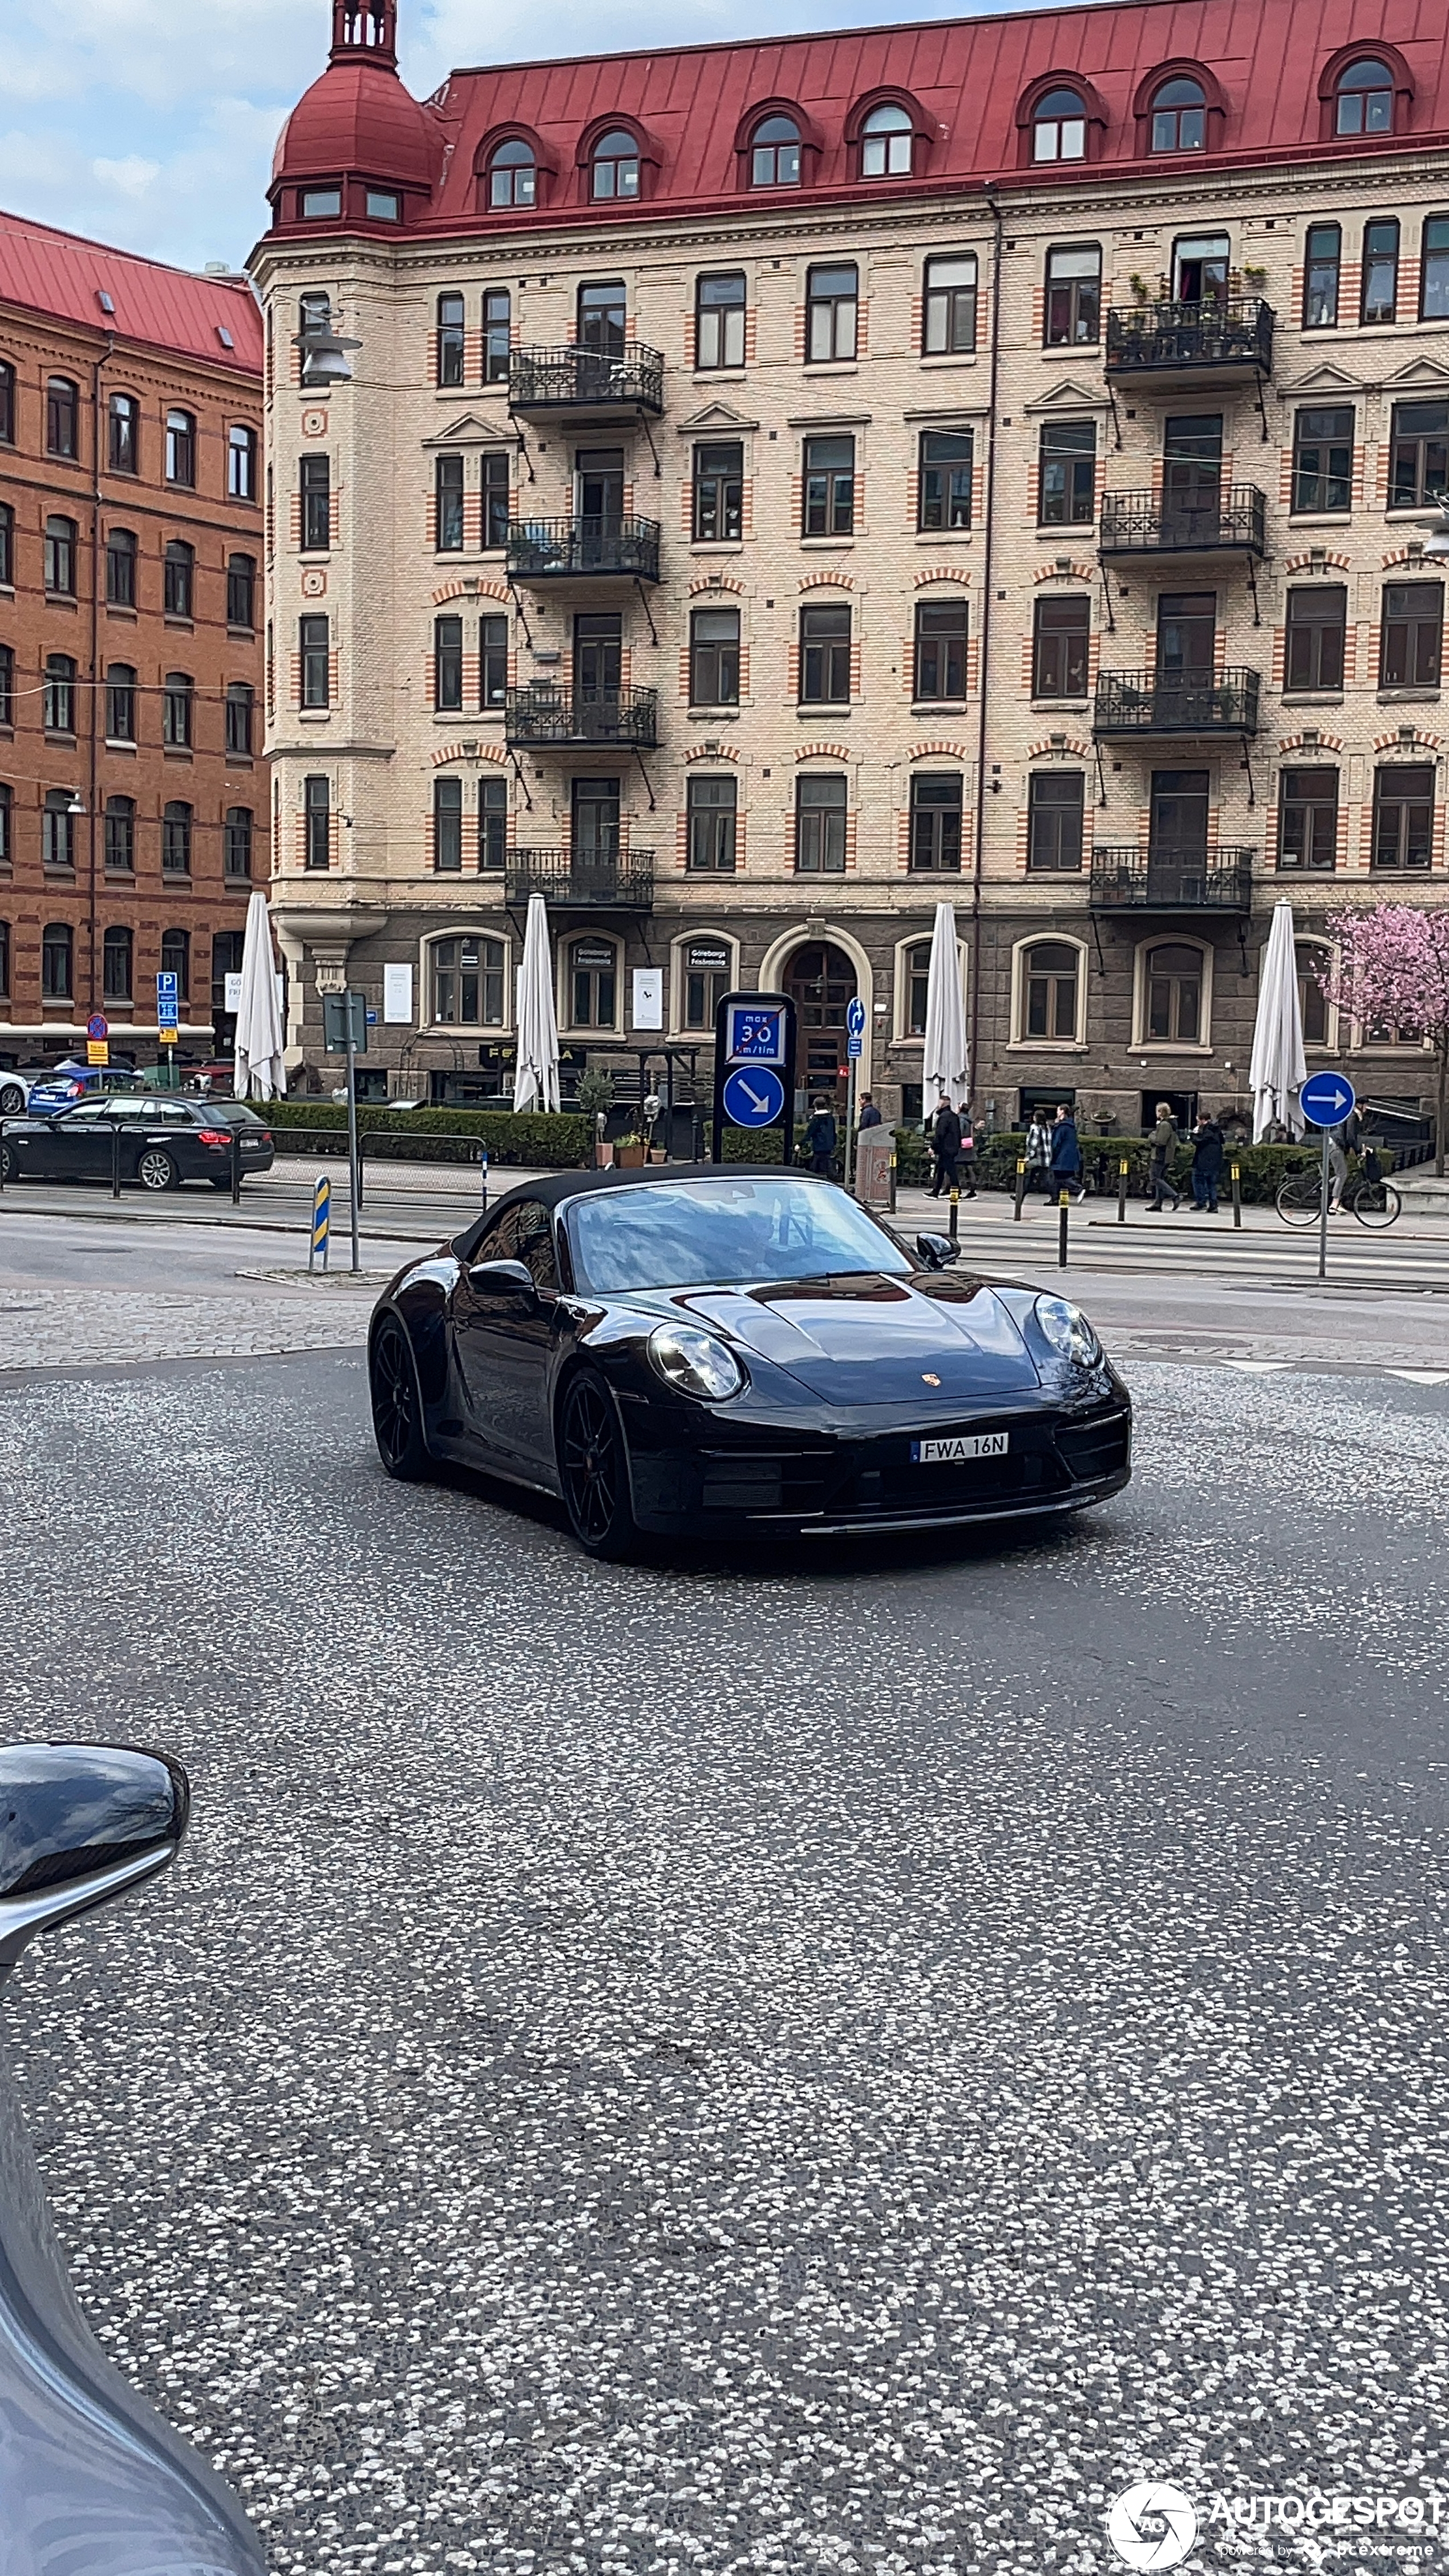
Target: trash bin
{"x": 875, "y": 1169}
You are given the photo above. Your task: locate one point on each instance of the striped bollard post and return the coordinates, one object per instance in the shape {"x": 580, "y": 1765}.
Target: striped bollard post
{"x": 321, "y": 1221}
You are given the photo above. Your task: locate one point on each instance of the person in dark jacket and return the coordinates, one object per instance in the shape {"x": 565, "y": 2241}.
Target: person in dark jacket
{"x": 820, "y": 1138}
{"x": 1163, "y": 1145}
{"x": 945, "y": 1145}
{"x": 1207, "y": 1163}
{"x": 967, "y": 1164}
{"x": 1066, "y": 1162}
{"x": 869, "y": 1114}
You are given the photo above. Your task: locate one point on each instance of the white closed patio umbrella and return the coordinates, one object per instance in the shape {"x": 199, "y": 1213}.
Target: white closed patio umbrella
{"x": 943, "y": 1062}
{"x": 260, "y": 1070}
{"x": 536, "y": 1078}
{"x": 1277, "y": 1071}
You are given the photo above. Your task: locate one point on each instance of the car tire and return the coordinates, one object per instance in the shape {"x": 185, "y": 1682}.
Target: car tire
{"x": 9, "y": 1164}
{"x": 156, "y": 1170}
{"x": 397, "y": 1405}
{"x": 593, "y": 1467}
{"x": 12, "y": 1101}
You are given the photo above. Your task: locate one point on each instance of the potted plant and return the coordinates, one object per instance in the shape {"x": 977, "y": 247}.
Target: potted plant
{"x": 629, "y": 1153}
{"x": 596, "y": 1099}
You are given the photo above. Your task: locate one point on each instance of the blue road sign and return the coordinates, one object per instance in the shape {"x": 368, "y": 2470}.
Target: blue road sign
{"x": 855, "y": 1019}
{"x": 853, "y": 1047}
{"x": 166, "y": 987}
{"x": 1326, "y": 1099}
{"x": 753, "y": 1097}
{"x": 756, "y": 1035}
{"x": 98, "y": 1027}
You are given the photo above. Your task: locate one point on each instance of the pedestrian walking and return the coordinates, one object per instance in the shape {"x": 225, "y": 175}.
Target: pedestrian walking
{"x": 1066, "y": 1154}
{"x": 967, "y": 1164}
{"x": 945, "y": 1145}
{"x": 1162, "y": 1143}
{"x": 1207, "y": 1163}
{"x": 1038, "y": 1151}
{"x": 869, "y": 1114}
{"x": 820, "y": 1138}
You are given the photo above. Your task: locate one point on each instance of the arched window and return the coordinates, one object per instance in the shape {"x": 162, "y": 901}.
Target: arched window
{"x": 120, "y": 835}
{"x": 5, "y": 929}
{"x": 56, "y": 951}
{"x": 1172, "y": 1012}
{"x": 120, "y": 702}
{"x": 465, "y": 977}
{"x": 886, "y": 141}
{"x": 7, "y": 403}
{"x": 62, "y": 416}
{"x": 513, "y": 175}
{"x": 120, "y": 569}
{"x": 593, "y": 985}
{"x": 180, "y": 578}
{"x": 124, "y": 446}
{"x": 181, "y": 448}
{"x": 614, "y": 166}
{"x": 57, "y": 846}
{"x": 240, "y": 706}
{"x": 177, "y": 701}
{"x": 1365, "y": 100}
{"x": 1051, "y": 969}
{"x": 176, "y": 820}
{"x": 241, "y": 588}
{"x": 1059, "y": 127}
{"x": 58, "y": 694}
{"x": 1313, "y": 1005}
{"x": 176, "y": 960}
{"x": 236, "y": 841}
{"x": 60, "y": 551}
{"x": 241, "y": 462}
{"x": 1179, "y": 117}
{"x": 775, "y": 153}
{"x": 116, "y": 966}
{"x": 915, "y": 988}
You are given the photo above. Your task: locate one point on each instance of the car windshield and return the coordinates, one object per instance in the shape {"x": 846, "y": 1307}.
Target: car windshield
{"x": 693, "y": 1234}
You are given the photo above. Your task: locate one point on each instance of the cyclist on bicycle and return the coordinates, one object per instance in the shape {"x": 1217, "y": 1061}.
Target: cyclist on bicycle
{"x": 1342, "y": 1142}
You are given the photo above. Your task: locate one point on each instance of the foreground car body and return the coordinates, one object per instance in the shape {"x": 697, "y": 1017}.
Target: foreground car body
{"x": 806, "y": 1376}
{"x": 163, "y": 1141}
{"x": 92, "y": 2482}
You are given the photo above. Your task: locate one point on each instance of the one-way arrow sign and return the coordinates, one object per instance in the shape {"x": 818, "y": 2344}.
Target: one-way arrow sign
{"x": 1326, "y": 1099}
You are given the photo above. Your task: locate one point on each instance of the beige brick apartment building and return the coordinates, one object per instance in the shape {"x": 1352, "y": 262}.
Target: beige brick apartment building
{"x": 782, "y": 485}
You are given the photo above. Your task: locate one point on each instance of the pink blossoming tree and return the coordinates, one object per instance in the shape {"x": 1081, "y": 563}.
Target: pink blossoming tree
{"x": 1392, "y": 968}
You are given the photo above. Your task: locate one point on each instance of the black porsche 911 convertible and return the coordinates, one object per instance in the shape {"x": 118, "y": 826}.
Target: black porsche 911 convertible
{"x": 704, "y": 1350}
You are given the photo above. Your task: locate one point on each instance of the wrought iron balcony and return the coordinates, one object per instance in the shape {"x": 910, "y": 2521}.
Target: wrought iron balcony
{"x": 583, "y": 549}
{"x": 587, "y": 382}
{"x": 1232, "y": 521}
{"x": 577, "y": 881}
{"x": 1131, "y": 880}
{"x": 544, "y": 714}
{"x": 1226, "y": 343}
{"x": 1133, "y": 704}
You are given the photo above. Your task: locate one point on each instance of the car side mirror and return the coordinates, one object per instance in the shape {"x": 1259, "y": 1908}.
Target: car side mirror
{"x": 937, "y": 1251}
{"x": 502, "y": 1278}
{"x": 79, "y": 1824}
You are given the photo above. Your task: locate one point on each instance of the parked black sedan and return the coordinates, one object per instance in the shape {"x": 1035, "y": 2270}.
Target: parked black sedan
{"x": 163, "y": 1141}
{"x": 722, "y": 1349}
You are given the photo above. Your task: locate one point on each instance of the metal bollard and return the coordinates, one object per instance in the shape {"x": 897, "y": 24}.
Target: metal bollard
{"x": 1063, "y": 1203}
{"x": 483, "y": 1162}
{"x": 1020, "y": 1188}
{"x": 1122, "y": 1190}
{"x": 235, "y": 1169}
{"x": 116, "y": 1160}
{"x": 954, "y": 1227}
{"x": 1237, "y": 1195}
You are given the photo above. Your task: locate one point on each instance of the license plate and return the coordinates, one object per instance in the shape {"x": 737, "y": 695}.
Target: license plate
{"x": 951, "y": 1452}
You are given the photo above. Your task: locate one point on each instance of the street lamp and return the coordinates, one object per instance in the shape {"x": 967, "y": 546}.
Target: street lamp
{"x": 324, "y": 356}
{"x": 1436, "y": 544}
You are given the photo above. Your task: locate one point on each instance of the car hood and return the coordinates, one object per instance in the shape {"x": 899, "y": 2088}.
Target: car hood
{"x": 873, "y": 1339}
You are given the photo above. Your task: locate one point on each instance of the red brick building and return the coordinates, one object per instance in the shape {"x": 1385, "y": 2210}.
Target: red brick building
{"x": 133, "y": 792}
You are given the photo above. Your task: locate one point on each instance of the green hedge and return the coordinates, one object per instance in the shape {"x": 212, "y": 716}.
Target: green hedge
{"x": 549, "y": 1141}
{"x": 1262, "y": 1168}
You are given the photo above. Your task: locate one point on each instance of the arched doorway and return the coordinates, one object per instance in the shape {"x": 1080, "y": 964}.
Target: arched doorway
{"x": 820, "y": 981}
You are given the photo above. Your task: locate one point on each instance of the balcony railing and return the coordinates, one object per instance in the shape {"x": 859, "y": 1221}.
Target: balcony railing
{"x": 544, "y": 714}
{"x": 1233, "y": 340}
{"x": 586, "y": 380}
{"x": 1232, "y": 521}
{"x": 583, "y": 549}
{"x": 1135, "y": 703}
{"x": 577, "y": 881}
{"x": 1128, "y": 880}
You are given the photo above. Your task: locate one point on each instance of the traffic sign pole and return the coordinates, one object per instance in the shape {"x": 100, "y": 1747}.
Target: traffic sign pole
{"x": 1325, "y": 1100}
{"x": 1323, "y": 1210}
{"x": 854, "y": 1041}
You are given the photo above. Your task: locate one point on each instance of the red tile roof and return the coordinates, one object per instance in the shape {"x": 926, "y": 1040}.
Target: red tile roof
{"x": 61, "y": 274}
{"x": 967, "y": 76}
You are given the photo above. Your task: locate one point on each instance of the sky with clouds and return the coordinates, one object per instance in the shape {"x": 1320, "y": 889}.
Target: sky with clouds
{"x": 150, "y": 123}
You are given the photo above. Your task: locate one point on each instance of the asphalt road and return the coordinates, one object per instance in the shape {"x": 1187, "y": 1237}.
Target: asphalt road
{"x": 819, "y": 2065}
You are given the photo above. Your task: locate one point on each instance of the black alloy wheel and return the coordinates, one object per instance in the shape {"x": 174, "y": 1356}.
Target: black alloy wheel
{"x": 397, "y": 1405}
{"x": 157, "y": 1170}
{"x": 12, "y": 1101}
{"x": 9, "y": 1163}
{"x": 594, "y": 1469}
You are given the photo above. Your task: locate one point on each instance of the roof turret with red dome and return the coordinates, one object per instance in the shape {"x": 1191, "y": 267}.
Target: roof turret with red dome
{"x": 357, "y": 148}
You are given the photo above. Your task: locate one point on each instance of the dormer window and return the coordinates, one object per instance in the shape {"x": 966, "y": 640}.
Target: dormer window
{"x": 513, "y": 175}
{"x": 320, "y": 203}
{"x": 1059, "y": 127}
{"x": 384, "y": 206}
{"x": 885, "y": 144}
{"x": 775, "y": 154}
{"x": 1179, "y": 117}
{"x": 1365, "y": 102}
{"x": 615, "y": 166}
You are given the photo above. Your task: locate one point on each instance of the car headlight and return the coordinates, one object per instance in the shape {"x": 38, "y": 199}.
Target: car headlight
{"x": 695, "y": 1363}
{"x": 1067, "y": 1330}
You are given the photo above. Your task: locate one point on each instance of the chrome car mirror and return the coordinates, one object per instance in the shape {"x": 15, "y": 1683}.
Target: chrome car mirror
{"x": 937, "y": 1250}
{"x": 501, "y": 1277}
{"x": 80, "y": 1823}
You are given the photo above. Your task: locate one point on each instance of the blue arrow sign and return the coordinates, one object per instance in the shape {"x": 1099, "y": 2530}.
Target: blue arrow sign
{"x": 1326, "y": 1099}
{"x": 753, "y": 1096}
{"x": 855, "y": 1018}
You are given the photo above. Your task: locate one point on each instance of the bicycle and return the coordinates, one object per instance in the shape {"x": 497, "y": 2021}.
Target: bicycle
{"x": 1371, "y": 1199}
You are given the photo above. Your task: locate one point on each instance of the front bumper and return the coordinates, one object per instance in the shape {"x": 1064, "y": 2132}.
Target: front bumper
{"x": 767, "y": 1477}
